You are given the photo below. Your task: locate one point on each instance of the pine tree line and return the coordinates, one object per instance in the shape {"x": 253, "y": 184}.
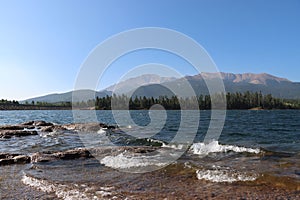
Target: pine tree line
{"x": 7, "y": 102}
{"x": 247, "y": 100}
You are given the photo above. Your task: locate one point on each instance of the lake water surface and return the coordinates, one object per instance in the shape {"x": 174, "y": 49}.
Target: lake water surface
{"x": 253, "y": 146}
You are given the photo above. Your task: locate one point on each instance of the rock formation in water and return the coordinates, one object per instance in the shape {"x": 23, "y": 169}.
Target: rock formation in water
{"x": 34, "y": 127}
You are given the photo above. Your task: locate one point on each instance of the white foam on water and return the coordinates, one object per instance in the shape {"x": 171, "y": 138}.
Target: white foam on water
{"x": 223, "y": 175}
{"x": 31, "y": 129}
{"x": 155, "y": 141}
{"x": 65, "y": 192}
{"x": 122, "y": 161}
{"x": 101, "y": 131}
{"x": 215, "y": 147}
{"x": 173, "y": 146}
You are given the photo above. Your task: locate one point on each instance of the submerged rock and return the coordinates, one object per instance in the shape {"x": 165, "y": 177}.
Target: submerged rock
{"x": 28, "y": 128}
{"x": 16, "y": 133}
{"x": 31, "y": 128}
{"x": 52, "y": 128}
{"x": 64, "y": 155}
{"x": 74, "y": 154}
{"x": 78, "y": 153}
{"x": 88, "y": 127}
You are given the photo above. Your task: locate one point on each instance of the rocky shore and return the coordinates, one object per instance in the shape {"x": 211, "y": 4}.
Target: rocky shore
{"x": 176, "y": 181}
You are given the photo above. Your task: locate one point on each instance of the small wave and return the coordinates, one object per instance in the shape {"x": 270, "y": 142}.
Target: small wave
{"x": 215, "y": 147}
{"x": 60, "y": 190}
{"x": 48, "y": 134}
{"x": 173, "y": 146}
{"x": 223, "y": 175}
{"x": 65, "y": 192}
{"x": 123, "y": 161}
{"x": 155, "y": 142}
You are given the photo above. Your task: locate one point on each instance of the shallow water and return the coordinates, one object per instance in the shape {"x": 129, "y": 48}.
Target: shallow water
{"x": 260, "y": 147}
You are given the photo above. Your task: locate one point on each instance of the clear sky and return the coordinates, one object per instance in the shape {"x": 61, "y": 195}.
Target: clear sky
{"x": 43, "y": 43}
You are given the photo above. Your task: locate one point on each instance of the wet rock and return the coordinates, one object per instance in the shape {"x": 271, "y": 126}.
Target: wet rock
{"x": 88, "y": 127}
{"x": 6, "y": 161}
{"x": 7, "y": 155}
{"x": 91, "y": 127}
{"x": 73, "y": 154}
{"x": 30, "y": 127}
{"x": 64, "y": 155}
{"x": 12, "y": 127}
{"x": 47, "y": 129}
{"x": 42, "y": 123}
{"x": 9, "y": 159}
{"x": 30, "y": 123}
{"x": 53, "y": 128}
{"x": 107, "y": 126}
{"x": 22, "y": 159}
{"x": 41, "y": 157}
{"x": 16, "y": 133}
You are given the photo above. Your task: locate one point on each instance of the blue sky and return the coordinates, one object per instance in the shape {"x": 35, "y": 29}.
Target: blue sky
{"x": 44, "y": 43}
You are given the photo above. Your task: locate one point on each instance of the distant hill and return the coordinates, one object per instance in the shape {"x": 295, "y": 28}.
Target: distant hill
{"x": 67, "y": 96}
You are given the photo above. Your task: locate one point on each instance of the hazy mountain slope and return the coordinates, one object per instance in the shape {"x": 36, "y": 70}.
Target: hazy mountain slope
{"x": 266, "y": 83}
{"x": 130, "y": 84}
{"x": 64, "y": 97}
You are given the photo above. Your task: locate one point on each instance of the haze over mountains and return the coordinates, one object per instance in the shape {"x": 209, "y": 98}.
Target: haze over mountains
{"x": 145, "y": 79}
{"x": 151, "y": 85}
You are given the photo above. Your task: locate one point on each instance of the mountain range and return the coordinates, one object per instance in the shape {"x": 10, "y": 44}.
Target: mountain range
{"x": 151, "y": 85}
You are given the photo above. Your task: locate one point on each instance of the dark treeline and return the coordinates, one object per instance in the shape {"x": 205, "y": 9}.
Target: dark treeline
{"x": 15, "y": 105}
{"x": 7, "y": 102}
{"x": 40, "y": 103}
{"x": 247, "y": 100}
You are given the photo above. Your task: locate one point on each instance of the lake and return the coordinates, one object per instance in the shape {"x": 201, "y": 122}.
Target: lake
{"x": 257, "y": 147}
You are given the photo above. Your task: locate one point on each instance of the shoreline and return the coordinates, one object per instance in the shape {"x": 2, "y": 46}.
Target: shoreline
{"x": 34, "y": 107}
